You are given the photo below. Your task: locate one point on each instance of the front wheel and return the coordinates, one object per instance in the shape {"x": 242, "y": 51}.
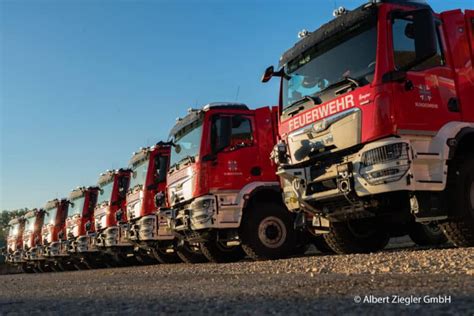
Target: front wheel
{"x": 460, "y": 228}
{"x": 356, "y": 237}
{"x": 321, "y": 245}
{"x": 190, "y": 253}
{"x": 216, "y": 251}
{"x": 267, "y": 231}
{"x": 165, "y": 257}
{"x": 427, "y": 234}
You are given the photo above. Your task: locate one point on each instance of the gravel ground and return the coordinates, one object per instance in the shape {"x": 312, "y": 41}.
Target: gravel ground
{"x": 304, "y": 285}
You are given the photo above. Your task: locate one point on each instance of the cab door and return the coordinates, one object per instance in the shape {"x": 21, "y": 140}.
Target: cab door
{"x": 233, "y": 145}
{"x": 426, "y": 99}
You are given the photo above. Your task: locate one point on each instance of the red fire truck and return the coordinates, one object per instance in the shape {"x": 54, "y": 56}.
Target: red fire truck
{"x": 222, "y": 187}
{"x": 54, "y": 242}
{"x": 110, "y": 217}
{"x": 80, "y": 228}
{"x": 32, "y": 241}
{"x": 145, "y": 196}
{"x": 14, "y": 250}
{"x": 377, "y": 124}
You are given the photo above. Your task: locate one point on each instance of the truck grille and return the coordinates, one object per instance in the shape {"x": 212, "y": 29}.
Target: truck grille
{"x": 398, "y": 151}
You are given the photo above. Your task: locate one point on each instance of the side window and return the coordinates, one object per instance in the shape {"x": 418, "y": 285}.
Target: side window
{"x": 230, "y": 131}
{"x": 404, "y": 47}
{"x": 161, "y": 167}
{"x": 241, "y": 134}
{"x": 123, "y": 183}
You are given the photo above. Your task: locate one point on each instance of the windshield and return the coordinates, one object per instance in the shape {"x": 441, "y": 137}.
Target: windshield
{"x": 14, "y": 230}
{"x": 50, "y": 216}
{"x": 187, "y": 142}
{"x": 139, "y": 173}
{"x": 76, "y": 206}
{"x": 30, "y": 223}
{"x": 105, "y": 192}
{"x": 328, "y": 63}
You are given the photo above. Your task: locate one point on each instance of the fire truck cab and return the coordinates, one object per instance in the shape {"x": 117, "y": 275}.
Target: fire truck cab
{"x": 222, "y": 187}
{"x": 80, "y": 228}
{"x": 376, "y": 123}
{"x": 145, "y": 196}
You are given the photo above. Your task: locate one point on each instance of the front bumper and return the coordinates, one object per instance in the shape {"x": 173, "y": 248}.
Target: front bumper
{"x": 151, "y": 228}
{"x": 115, "y": 236}
{"x": 34, "y": 254}
{"x": 86, "y": 243}
{"x": 57, "y": 249}
{"x": 198, "y": 215}
{"x": 17, "y": 257}
{"x": 388, "y": 165}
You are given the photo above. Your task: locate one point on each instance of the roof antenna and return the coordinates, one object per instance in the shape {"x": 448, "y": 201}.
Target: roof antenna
{"x": 237, "y": 93}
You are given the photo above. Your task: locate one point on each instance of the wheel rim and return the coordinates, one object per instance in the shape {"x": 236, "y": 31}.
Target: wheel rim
{"x": 471, "y": 195}
{"x": 433, "y": 228}
{"x": 272, "y": 232}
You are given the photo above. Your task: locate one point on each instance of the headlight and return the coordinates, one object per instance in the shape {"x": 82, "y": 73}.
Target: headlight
{"x": 205, "y": 204}
{"x": 384, "y": 154}
{"x": 385, "y": 164}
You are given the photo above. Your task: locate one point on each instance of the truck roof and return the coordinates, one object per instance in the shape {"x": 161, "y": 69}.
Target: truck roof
{"x": 195, "y": 114}
{"x": 340, "y": 24}
{"x": 51, "y": 204}
{"x": 14, "y": 221}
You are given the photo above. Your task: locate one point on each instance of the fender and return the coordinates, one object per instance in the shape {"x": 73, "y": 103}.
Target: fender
{"x": 454, "y": 143}
{"x": 230, "y": 214}
{"x": 252, "y": 189}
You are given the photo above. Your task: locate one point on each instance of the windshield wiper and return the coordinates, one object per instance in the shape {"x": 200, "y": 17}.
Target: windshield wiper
{"x": 346, "y": 79}
{"x": 133, "y": 188}
{"x": 186, "y": 160}
{"x": 183, "y": 160}
{"x": 315, "y": 100}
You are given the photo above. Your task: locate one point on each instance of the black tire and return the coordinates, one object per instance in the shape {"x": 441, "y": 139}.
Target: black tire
{"x": 43, "y": 267}
{"x": 145, "y": 257}
{"x": 188, "y": 254}
{"x": 164, "y": 257}
{"x": 216, "y": 252}
{"x": 66, "y": 265}
{"x": 356, "y": 237}
{"x": 321, "y": 245}
{"x": 459, "y": 229}
{"x": 267, "y": 231}
{"x": 427, "y": 234}
{"x": 26, "y": 268}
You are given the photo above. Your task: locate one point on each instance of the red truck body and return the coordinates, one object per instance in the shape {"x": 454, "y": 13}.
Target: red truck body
{"x": 32, "y": 239}
{"x": 80, "y": 219}
{"x": 110, "y": 212}
{"x": 54, "y": 228}
{"x": 149, "y": 167}
{"x": 220, "y": 173}
{"x": 368, "y": 138}
{"x": 14, "y": 251}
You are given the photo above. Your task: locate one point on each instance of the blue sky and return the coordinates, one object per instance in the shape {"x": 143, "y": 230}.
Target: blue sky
{"x": 83, "y": 84}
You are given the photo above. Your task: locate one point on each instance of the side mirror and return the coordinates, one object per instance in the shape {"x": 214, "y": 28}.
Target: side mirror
{"x": 118, "y": 215}
{"x": 159, "y": 200}
{"x": 269, "y": 72}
